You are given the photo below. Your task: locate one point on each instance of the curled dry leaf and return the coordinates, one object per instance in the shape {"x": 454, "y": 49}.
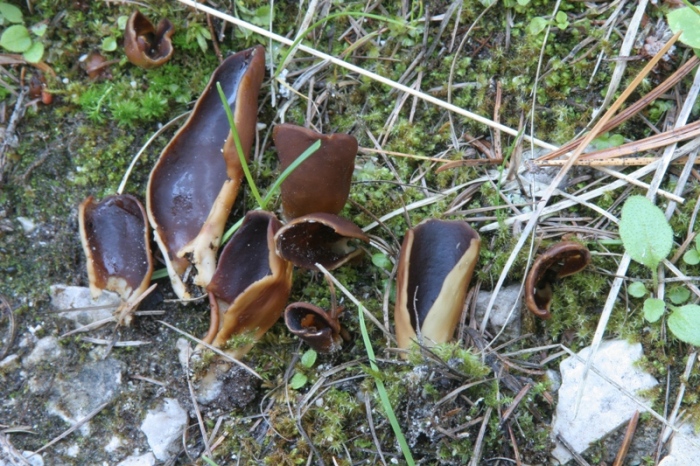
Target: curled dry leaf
{"x": 560, "y": 260}
{"x": 319, "y": 238}
{"x": 146, "y": 46}
{"x": 197, "y": 177}
{"x": 322, "y": 182}
{"x": 435, "y": 267}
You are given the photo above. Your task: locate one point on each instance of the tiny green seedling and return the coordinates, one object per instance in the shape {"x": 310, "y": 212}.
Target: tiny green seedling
{"x": 299, "y": 379}
{"x": 692, "y": 256}
{"x": 648, "y": 239}
{"x": 17, "y": 38}
{"x": 686, "y": 19}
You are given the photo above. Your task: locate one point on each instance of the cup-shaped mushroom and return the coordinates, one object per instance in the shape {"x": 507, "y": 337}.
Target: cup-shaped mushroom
{"x": 435, "y": 267}
{"x": 560, "y": 260}
{"x": 318, "y": 328}
{"x": 322, "y": 182}
{"x": 196, "y": 180}
{"x": 320, "y": 238}
{"x": 114, "y": 234}
{"x": 146, "y": 46}
{"x": 252, "y": 283}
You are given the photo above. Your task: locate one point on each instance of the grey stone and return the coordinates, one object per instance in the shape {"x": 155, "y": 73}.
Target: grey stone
{"x": 163, "y": 427}
{"x": 46, "y": 350}
{"x": 684, "y": 448}
{"x": 603, "y": 407}
{"x": 506, "y": 311}
{"x": 142, "y": 460}
{"x": 64, "y": 298}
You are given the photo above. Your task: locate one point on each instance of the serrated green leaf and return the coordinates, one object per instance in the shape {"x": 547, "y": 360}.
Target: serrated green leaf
{"x": 109, "y": 44}
{"x": 16, "y": 39}
{"x": 298, "y": 381}
{"x": 536, "y": 25}
{"x": 35, "y": 53}
{"x": 678, "y": 294}
{"x": 684, "y": 323}
{"x": 637, "y": 289}
{"x": 691, "y": 257}
{"x": 686, "y": 20}
{"x": 10, "y": 12}
{"x": 644, "y": 231}
{"x": 653, "y": 309}
{"x": 308, "y": 359}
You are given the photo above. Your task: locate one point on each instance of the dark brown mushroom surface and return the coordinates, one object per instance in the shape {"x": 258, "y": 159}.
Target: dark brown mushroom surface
{"x": 322, "y": 182}
{"x": 146, "y": 46}
{"x": 436, "y": 264}
{"x": 319, "y": 238}
{"x": 251, "y": 285}
{"x": 560, "y": 260}
{"x": 320, "y": 329}
{"x": 197, "y": 177}
{"x": 115, "y": 239}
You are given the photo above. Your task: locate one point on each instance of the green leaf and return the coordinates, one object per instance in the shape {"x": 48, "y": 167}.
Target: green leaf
{"x": 678, "y": 294}
{"x": 684, "y": 323}
{"x": 562, "y": 20}
{"x": 10, "y": 12}
{"x": 39, "y": 29}
{"x": 644, "y": 231}
{"x": 381, "y": 261}
{"x": 121, "y": 22}
{"x": 109, "y": 44}
{"x": 653, "y": 309}
{"x": 692, "y": 257}
{"x": 298, "y": 381}
{"x": 523, "y": 2}
{"x": 607, "y": 141}
{"x": 16, "y": 39}
{"x": 688, "y": 21}
{"x": 537, "y": 25}
{"x": 637, "y": 289}
{"x": 35, "y": 53}
{"x": 308, "y": 359}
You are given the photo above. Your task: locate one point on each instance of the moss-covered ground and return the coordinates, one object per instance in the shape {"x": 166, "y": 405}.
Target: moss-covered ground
{"x": 82, "y": 142}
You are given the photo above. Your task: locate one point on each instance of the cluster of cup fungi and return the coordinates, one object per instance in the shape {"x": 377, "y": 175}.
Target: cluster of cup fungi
{"x": 192, "y": 189}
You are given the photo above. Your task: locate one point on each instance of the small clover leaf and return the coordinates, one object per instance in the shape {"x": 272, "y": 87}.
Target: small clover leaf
{"x": 308, "y": 359}
{"x": 645, "y": 232}
{"x": 298, "y": 381}
{"x": 678, "y": 294}
{"x": 16, "y": 39}
{"x": 653, "y": 309}
{"x": 684, "y": 323}
{"x": 637, "y": 289}
{"x": 687, "y": 20}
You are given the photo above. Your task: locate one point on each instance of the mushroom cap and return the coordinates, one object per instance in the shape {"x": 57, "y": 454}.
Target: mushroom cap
{"x": 559, "y": 260}
{"x": 146, "y": 46}
{"x": 251, "y": 282}
{"x": 313, "y": 325}
{"x": 322, "y": 182}
{"x": 114, "y": 235}
{"x": 319, "y": 238}
{"x": 435, "y": 267}
{"x": 189, "y": 192}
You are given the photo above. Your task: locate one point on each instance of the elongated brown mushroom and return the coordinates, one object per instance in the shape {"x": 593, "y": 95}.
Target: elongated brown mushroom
{"x": 144, "y": 45}
{"x": 320, "y": 329}
{"x": 196, "y": 180}
{"x": 251, "y": 284}
{"x": 319, "y": 238}
{"x": 322, "y": 182}
{"x": 436, "y": 264}
{"x": 114, "y": 234}
{"x": 560, "y": 260}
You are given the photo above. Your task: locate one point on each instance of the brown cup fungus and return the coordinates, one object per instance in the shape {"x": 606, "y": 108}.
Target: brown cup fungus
{"x": 319, "y": 238}
{"x": 251, "y": 285}
{"x": 560, "y": 260}
{"x": 322, "y": 182}
{"x": 320, "y": 329}
{"x": 196, "y": 180}
{"x": 435, "y": 266}
{"x": 114, "y": 234}
{"x": 144, "y": 45}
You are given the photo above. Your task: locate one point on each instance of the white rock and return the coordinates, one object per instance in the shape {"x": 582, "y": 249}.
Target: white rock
{"x": 28, "y": 224}
{"x": 31, "y": 459}
{"x": 183, "y": 352}
{"x": 114, "y": 443}
{"x": 65, "y": 297}
{"x": 684, "y": 449}
{"x": 505, "y": 312}
{"x": 163, "y": 428}
{"x": 604, "y": 407}
{"x": 143, "y": 460}
{"x": 9, "y": 363}
{"x": 46, "y": 350}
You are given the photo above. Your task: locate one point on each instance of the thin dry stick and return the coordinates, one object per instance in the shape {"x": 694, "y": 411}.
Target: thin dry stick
{"x": 363, "y": 72}
{"x": 681, "y": 393}
{"x": 560, "y": 176}
{"x": 476, "y": 456}
{"x": 627, "y": 441}
{"x": 75, "y": 426}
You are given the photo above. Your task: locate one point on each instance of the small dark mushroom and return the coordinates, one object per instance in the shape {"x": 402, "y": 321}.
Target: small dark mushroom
{"x": 251, "y": 285}
{"x": 319, "y": 238}
{"x": 320, "y": 329}
{"x": 322, "y": 182}
{"x": 560, "y": 260}
{"x": 197, "y": 177}
{"x": 436, "y": 264}
{"x": 146, "y": 46}
{"x": 114, "y": 234}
